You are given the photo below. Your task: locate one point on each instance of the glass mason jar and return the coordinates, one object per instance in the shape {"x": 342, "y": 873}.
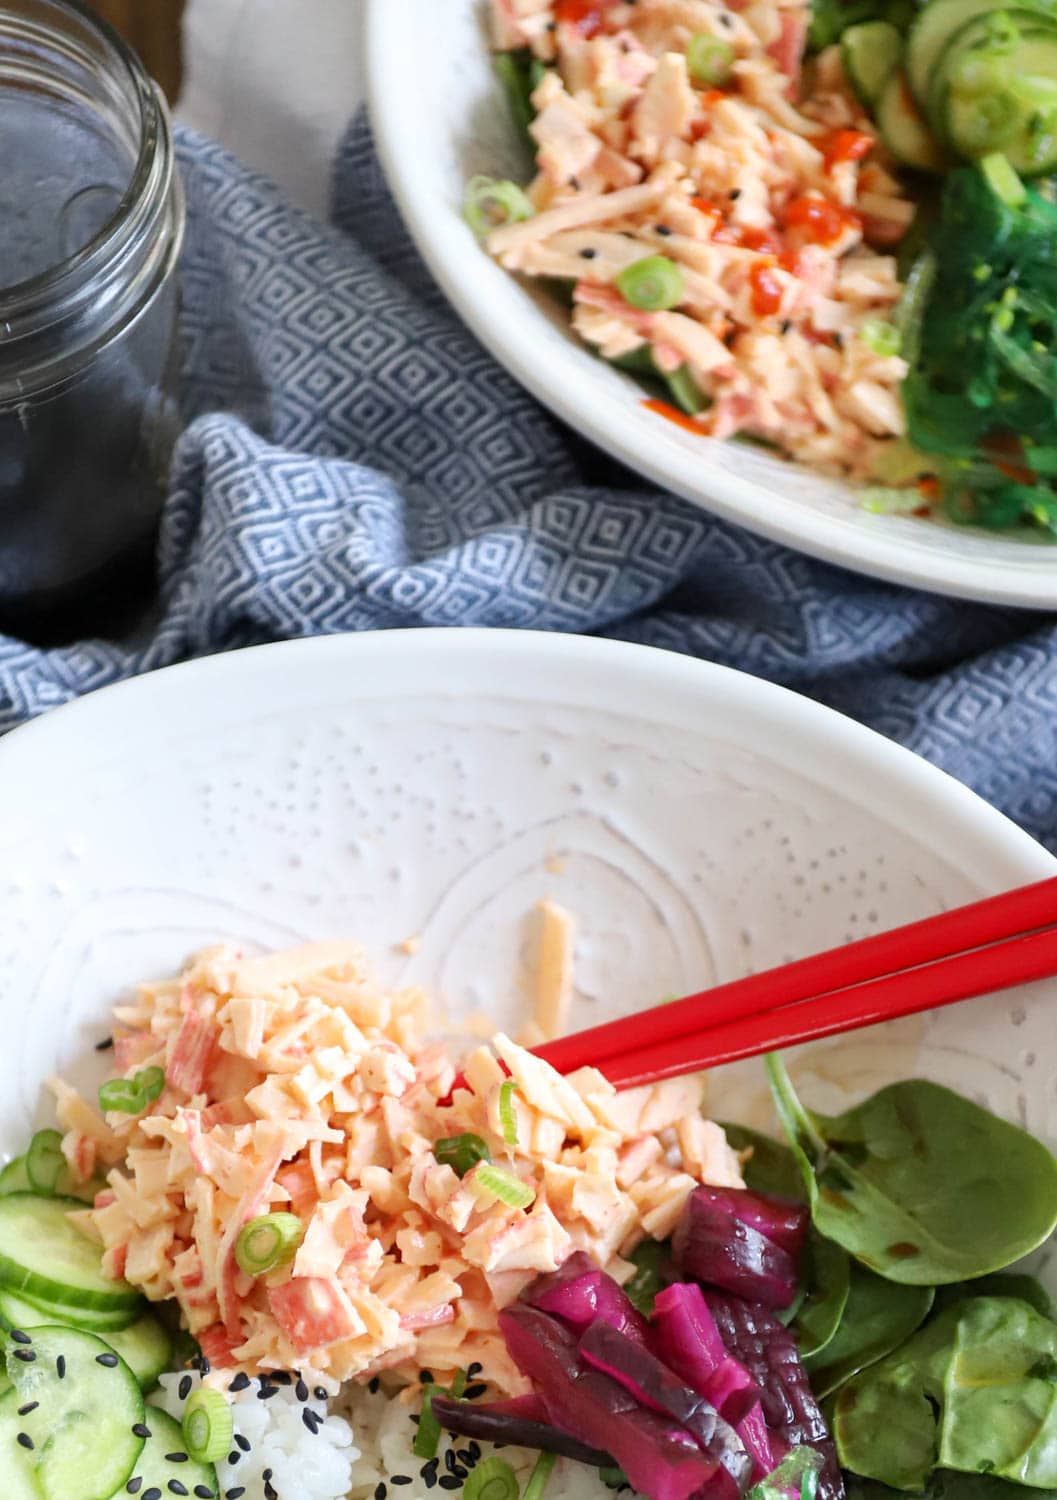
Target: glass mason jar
{"x": 91, "y": 223}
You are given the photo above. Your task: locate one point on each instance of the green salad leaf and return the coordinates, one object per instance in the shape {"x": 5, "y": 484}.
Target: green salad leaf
{"x": 974, "y": 1391}
{"x": 919, "y": 1184}
{"x": 878, "y": 1316}
{"x": 1002, "y": 1284}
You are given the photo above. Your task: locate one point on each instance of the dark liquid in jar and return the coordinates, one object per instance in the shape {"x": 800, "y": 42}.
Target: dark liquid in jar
{"x": 79, "y": 494}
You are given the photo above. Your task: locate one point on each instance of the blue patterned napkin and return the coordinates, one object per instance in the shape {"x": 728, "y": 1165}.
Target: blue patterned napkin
{"x": 354, "y": 460}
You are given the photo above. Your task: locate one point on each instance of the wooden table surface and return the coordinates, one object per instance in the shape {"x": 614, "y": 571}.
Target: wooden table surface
{"x": 153, "y": 28}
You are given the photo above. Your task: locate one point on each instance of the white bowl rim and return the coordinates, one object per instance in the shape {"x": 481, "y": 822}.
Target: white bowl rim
{"x": 30, "y": 749}
{"x": 561, "y": 389}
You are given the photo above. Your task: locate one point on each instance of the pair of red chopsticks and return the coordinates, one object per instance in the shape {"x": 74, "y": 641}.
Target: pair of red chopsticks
{"x": 974, "y": 950}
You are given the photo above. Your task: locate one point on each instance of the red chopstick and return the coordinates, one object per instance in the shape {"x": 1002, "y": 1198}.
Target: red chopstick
{"x": 986, "y": 946}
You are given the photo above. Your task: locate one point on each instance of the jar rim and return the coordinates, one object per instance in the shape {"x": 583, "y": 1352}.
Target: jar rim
{"x": 49, "y": 284}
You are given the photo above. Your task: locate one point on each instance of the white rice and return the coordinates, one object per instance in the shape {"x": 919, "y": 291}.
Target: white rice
{"x": 303, "y": 1465}
{"x": 330, "y": 1465}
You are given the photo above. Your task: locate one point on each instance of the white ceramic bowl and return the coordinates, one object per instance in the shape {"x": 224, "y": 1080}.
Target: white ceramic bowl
{"x": 700, "y": 823}
{"x": 439, "y": 118}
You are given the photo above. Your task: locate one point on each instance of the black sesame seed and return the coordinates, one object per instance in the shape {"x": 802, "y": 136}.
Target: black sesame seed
{"x": 734, "y": 194}
{"x": 25, "y": 1439}
{"x": 838, "y": 340}
{"x": 401, "y": 1479}
{"x": 426, "y": 1377}
{"x": 235, "y": 1494}
{"x": 380, "y": 1492}
{"x": 233, "y": 1457}
{"x": 204, "y": 1492}
{"x": 301, "y": 1390}
{"x": 108, "y": 1360}
{"x": 374, "y": 1385}
{"x": 20, "y": 1337}
{"x": 135, "y": 1484}
{"x": 105, "y": 1045}
{"x": 60, "y": 1367}
{"x": 432, "y": 1466}
{"x": 203, "y": 1363}
{"x": 24, "y": 1411}
{"x": 475, "y": 1369}
{"x": 310, "y": 1419}
{"x": 270, "y": 1492}
{"x": 25, "y": 1355}
{"x": 473, "y": 1391}
{"x": 449, "y": 1482}
{"x": 474, "y": 1448}
{"x": 178, "y": 1488}
{"x": 460, "y": 1473}
{"x": 725, "y": 19}
{"x": 429, "y": 1480}
{"x": 588, "y": 254}
{"x": 185, "y": 1387}
{"x": 282, "y": 1377}
{"x": 240, "y": 1382}
{"x": 662, "y": 229}
{"x": 574, "y": 183}
{"x": 320, "y": 1393}
{"x": 152, "y": 1494}
{"x": 449, "y": 1461}
{"x": 464, "y": 1455}
{"x": 785, "y": 325}
{"x": 176, "y": 1458}
{"x": 140, "y": 1429}
{"x": 266, "y": 1475}
{"x": 242, "y": 1442}
{"x": 266, "y": 1392}
{"x": 415, "y": 1419}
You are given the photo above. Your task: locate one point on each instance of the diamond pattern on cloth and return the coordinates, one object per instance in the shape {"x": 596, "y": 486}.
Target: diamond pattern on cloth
{"x": 354, "y": 460}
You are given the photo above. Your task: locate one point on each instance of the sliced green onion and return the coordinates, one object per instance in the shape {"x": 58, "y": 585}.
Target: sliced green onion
{"x": 686, "y": 393}
{"x": 507, "y": 1116}
{"x": 461, "y": 1152}
{"x": 489, "y": 205}
{"x": 122, "y": 1094}
{"x": 708, "y": 59}
{"x": 614, "y": 1478}
{"x": 207, "y": 1426}
{"x": 267, "y": 1242}
{"x": 651, "y": 284}
{"x": 505, "y": 1186}
{"x": 880, "y": 336}
{"x": 427, "y": 1433}
{"x": 888, "y": 500}
{"x": 45, "y": 1163}
{"x": 492, "y": 1480}
{"x": 541, "y": 1473}
{"x": 910, "y": 310}
{"x": 809, "y": 1486}
{"x": 152, "y": 1083}
{"x": 458, "y": 1385}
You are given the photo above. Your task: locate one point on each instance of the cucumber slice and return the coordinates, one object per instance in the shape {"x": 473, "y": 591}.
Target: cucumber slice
{"x": 14, "y": 1178}
{"x": 45, "y": 1256}
{"x": 1033, "y": 53}
{"x": 145, "y": 1347}
{"x": 1025, "y": 132}
{"x": 16, "y": 1462}
{"x": 870, "y": 54}
{"x": 155, "y": 1471}
{"x": 936, "y": 26}
{"x": 904, "y": 131}
{"x": 83, "y": 1413}
{"x": 19, "y": 1311}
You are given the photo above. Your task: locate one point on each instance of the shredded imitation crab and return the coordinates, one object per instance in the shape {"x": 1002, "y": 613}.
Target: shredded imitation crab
{"x": 294, "y": 1084}
{"x": 770, "y": 195}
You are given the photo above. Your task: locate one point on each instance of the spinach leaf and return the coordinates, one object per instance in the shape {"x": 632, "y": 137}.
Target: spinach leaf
{"x": 1003, "y": 1284}
{"x": 974, "y": 1391}
{"x": 652, "y": 1258}
{"x": 946, "y": 1484}
{"x": 885, "y": 1421}
{"x": 922, "y": 1186}
{"x": 878, "y": 1317}
{"x": 826, "y": 1269}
